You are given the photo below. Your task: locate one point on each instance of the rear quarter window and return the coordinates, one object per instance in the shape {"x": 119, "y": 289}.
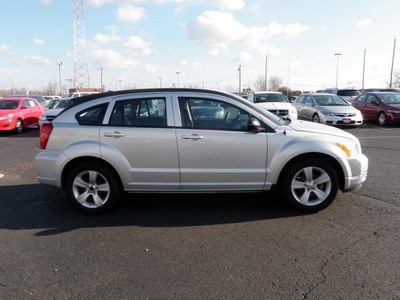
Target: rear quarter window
{"x": 92, "y": 116}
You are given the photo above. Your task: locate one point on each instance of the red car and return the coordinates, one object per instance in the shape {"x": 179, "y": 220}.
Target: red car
{"x": 18, "y": 113}
{"x": 383, "y": 107}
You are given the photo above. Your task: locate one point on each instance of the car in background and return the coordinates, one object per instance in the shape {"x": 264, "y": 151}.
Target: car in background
{"x": 347, "y": 94}
{"x": 79, "y": 94}
{"x": 48, "y": 98}
{"x": 292, "y": 98}
{"x": 274, "y": 102}
{"x": 39, "y": 98}
{"x": 18, "y": 113}
{"x": 54, "y": 107}
{"x": 327, "y": 108}
{"x": 102, "y": 146}
{"x": 383, "y": 107}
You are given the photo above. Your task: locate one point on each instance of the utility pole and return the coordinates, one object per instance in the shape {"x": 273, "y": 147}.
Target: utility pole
{"x": 59, "y": 74}
{"x": 337, "y": 67}
{"x": 365, "y": 50}
{"x": 391, "y": 72}
{"x": 265, "y": 79}
{"x": 240, "y": 78}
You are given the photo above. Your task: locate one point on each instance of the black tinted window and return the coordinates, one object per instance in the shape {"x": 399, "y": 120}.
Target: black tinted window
{"x": 93, "y": 115}
{"x": 139, "y": 113}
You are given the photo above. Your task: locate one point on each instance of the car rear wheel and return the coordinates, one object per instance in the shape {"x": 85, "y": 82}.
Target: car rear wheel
{"x": 19, "y": 125}
{"x": 92, "y": 188}
{"x": 316, "y": 119}
{"x": 310, "y": 185}
{"x": 382, "y": 119}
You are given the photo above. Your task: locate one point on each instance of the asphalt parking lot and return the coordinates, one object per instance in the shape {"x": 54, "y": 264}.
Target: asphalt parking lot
{"x": 203, "y": 246}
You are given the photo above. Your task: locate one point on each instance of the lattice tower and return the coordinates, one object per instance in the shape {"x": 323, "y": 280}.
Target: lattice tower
{"x": 81, "y": 68}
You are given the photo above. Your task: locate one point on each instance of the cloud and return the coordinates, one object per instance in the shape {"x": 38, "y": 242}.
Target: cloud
{"x": 244, "y": 57}
{"x": 106, "y": 38}
{"x": 46, "y": 2}
{"x": 217, "y": 30}
{"x": 136, "y": 43}
{"x": 113, "y": 60}
{"x": 364, "y": 22}
{"x": 130, "y": 13}
{"x": 3, "y": 47}
{"x": 33, "y": 59}
{"x": 38, "y": 42}
{"x": 227, "y": 5}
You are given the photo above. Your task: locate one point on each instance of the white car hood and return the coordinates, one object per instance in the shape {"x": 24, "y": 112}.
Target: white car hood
{"x": 275, "y": 105}
{"x": 307, "y": 126}
{"x": 341, "y": 109}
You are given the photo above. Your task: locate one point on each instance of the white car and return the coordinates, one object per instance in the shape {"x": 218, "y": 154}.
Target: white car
{"x": 53, "y": 108}
{"x": 274, "y": 102}
{"x": 192, "y": 140}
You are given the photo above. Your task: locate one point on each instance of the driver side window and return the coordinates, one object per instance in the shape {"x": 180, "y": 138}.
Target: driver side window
{"x": 212, "y": 114}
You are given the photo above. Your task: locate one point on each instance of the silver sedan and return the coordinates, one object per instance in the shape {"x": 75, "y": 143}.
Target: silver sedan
{"x": 328, "y": 109}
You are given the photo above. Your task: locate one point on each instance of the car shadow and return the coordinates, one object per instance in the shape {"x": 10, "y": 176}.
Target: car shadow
{"x": 47, "y": 210}
{"x": 26, "y": 132}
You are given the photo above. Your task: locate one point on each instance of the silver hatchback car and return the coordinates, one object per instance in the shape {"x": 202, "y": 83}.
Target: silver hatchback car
{"x": 192, "y": 140}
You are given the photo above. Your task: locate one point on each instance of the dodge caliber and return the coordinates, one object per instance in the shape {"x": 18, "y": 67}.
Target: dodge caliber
{"x": 192, "y": 140}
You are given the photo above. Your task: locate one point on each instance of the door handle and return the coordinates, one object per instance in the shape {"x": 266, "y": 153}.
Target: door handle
{"x": 114, "y": 134}
{"x": 192, "y": 137}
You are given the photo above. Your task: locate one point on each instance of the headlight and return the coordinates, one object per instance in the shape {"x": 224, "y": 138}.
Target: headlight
{"x": 394, "y": 111}
{"x": 351, "y": 148}
{"x": 327, "y": 113}
{"x": 6, "y": 117}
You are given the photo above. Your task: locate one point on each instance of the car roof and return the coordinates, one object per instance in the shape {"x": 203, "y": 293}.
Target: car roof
{"x": 16, "y": 98}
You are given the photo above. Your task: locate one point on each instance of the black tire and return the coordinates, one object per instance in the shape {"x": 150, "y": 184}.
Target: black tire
{"x": 309, "y": 185}
{"x": 316, "y": 118}
{"x": 93, "y": 188}
{"x": 19, "y": 125}
{"x": 382, "y": 119}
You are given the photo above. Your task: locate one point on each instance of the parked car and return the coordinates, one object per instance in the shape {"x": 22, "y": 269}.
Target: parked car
{"x": 274, "y": 102}
{"x": 104, "y": 144}
{"x": 383, "y": 107}
{"x": 79, "y": 94}
{"x": 53, "y": 108}
{"x": 39, "y": 98}
{"x": 328, "y": 109}
{"x": 18, "y": 113}
{"x": 48, "y": 98}
{"x": 347, "y": 94}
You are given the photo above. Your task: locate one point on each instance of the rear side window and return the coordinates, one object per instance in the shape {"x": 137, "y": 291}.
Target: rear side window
{"x": 149, "y": 112}
{"x": 92, "y": 116}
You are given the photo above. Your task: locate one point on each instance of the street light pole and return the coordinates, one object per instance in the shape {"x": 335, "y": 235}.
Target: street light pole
{"x": 337, "y": 67}
{"x": 59, "y": 73}
{"x": 160, "y": 81}
{"x": 177, "y": 79}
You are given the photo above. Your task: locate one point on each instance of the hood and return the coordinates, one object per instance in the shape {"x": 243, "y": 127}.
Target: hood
{"x": 395, "y": 106}
{"x": 341, "y": 109}
{"x": 275, "y": 105}
{"x": 307, "y": 126}
{"x": 52, "y": 112}
{"x": 4, "y": 112}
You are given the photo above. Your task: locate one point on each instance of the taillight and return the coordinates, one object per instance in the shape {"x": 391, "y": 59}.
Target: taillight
{"x": 45, "y": 132}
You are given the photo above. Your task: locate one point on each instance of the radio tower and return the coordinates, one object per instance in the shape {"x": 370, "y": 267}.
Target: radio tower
{"x": 81, "y": 69}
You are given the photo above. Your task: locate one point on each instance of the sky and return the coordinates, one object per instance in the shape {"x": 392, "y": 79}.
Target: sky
{"x": 202, "y": 43}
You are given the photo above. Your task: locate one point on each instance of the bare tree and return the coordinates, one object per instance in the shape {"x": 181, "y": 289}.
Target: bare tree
{"x": 259, "y": 83}
{"x": 275, "y": 82}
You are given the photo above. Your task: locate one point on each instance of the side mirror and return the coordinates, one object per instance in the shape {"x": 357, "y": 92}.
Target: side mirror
{"x": 254, "y": 125}
{"x": 24, "y": 107}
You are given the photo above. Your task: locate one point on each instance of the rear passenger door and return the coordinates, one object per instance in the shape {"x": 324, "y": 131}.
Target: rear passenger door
{"x": 139, "y": 136}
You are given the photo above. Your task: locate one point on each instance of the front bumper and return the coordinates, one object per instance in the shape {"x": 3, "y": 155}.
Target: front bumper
{"x": 357, "y": 171}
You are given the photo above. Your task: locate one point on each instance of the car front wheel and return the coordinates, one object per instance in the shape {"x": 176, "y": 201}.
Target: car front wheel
{"x": 19, "y": 125}
{"x": 316, "y": 118}
{"x": 382, "y": 119}
{"x": 92, "y": 188}
{"x": 310, "y": 185}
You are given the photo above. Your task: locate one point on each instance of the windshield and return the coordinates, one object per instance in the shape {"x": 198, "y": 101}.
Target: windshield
{"x": 391, "y": 99}
{"x": 9, "y": 104}
{"x": 330, "y": 100}
{"x": 260, "y": 98}
{"x": 348, "y": 93}
{"x": 62, "y": 104}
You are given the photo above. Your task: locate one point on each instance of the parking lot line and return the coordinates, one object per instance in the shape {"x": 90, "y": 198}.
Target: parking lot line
{"x": 3, "y": 138}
